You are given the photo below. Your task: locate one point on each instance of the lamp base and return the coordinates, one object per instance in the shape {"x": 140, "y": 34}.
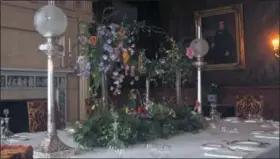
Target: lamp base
{"x": 53, "y": 147}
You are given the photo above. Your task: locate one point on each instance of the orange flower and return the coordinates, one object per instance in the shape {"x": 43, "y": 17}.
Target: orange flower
{"x": 92, "y": 40}
{"x": 125, "y": 57}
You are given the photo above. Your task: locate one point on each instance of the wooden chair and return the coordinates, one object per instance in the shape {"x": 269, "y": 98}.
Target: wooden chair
{"x": 249, "y": 104}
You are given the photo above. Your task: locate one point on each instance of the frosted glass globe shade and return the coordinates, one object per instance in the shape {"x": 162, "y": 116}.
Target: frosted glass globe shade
{"x": 50, "y": 21}
{"x": 200, "y": 47}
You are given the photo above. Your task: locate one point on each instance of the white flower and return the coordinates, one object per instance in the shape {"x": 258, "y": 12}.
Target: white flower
{"x": 109, "y": 41}
{"x": 116, "y": 82}
{"x": 105, "y": 57}
{"x": 117, "y": 92}
{"x": 120, "y": 80}
{"x": 113, "y": 57}
{"x": 115, "y": 73}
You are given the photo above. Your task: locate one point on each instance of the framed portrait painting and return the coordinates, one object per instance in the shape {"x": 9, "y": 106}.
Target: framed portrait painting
{"x": 223, "y": 30}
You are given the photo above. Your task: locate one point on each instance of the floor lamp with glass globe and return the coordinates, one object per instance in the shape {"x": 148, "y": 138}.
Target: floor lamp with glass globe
{"x": 200, "y": 48}
{"x": 51, "y": 22}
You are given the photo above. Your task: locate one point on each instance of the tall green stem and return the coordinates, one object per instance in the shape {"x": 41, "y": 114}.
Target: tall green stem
{"x": 147, "y": 97}
{"x": 104, "y": 90}
{"x": 178, "y": 86}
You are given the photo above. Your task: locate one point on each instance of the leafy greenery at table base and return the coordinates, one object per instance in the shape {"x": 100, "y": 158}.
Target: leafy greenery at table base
{"x": 97, "y": 131}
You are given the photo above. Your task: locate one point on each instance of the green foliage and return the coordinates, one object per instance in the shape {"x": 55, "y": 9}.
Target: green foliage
{"x": 187, "y": 120}
{"x": 97, "y": 131}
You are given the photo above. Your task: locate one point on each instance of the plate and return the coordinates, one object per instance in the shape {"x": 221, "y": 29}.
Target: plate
{"x": 21, "y": 138}
{"x": 257, "y": 132}
{"x": 231, "y": 119}
{"x": 212, "y": 146}
{"x": 265, "y": 126}
{"x": 267, "y": 136}
{"x": 250, "y": 121}
{"x": 235, "y": 121}
{"x": 247, "y": 143}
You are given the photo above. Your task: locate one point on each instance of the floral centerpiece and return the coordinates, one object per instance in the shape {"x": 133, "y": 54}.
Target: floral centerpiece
{"x": 112, "y": 52}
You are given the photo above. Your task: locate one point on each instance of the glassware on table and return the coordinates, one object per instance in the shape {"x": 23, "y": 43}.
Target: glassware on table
{"x": 250, "y": 116}
{"x": 259, "y": 118}
{"x": 159, "y": 151}
{"x": 116, "y": 144}
{"x": 226, "y": 129}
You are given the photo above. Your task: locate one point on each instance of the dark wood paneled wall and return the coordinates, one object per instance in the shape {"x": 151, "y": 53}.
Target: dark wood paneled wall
{"x": 261, "y": 20}
{"x": 261, "y": 76}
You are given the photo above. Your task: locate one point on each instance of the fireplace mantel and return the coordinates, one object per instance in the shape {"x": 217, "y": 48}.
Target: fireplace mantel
{"x": 19, "y": 83}
{"x": 61, "y": 70}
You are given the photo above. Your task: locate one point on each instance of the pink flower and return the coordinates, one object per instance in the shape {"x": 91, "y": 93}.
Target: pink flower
{"x": 197, "y": 105}
{"x": 126, "y": 69}
{"x": 189, "y": 52}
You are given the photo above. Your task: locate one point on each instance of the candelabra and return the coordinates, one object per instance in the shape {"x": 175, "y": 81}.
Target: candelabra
{"x": 116, "y": 144}
{"x": 51, "y": 22}
{"x": 5, "y": 132}
{"x": 200, "y": 49}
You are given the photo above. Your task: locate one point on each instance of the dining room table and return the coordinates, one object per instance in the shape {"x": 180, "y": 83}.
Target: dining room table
{"x": 224, "y": 138}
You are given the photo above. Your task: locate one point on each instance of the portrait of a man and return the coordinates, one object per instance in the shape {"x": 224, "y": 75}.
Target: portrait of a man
{"x": 223, "y": 47}
{"x": 224, "y": 34}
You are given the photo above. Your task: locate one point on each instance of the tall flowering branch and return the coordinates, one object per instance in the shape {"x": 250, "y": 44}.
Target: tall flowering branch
{"x": 110, "y": 52}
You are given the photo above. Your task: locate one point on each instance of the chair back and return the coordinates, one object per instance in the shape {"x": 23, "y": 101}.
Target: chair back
{"x": 249, "y": 105}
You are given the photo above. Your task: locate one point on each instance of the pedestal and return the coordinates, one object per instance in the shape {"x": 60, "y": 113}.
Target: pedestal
{"x": 53, "y": 147}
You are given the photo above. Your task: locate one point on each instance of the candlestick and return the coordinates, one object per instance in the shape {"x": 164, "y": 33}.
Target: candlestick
{"x": 198, "y": 31}
{"x": 51, "y": 22}
{"x": 69, "y": 44}
{"x": 57, "y": 97}
{"x": 62, "y": 43}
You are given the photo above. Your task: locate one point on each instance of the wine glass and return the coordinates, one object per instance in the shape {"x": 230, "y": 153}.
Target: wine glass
{"x": 153, "y": 150}
{"x": 159, "y": 151}
{"x": 166, "y": 150}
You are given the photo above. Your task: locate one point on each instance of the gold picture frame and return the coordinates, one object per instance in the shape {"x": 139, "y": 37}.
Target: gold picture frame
{"x": 233, "y": 14}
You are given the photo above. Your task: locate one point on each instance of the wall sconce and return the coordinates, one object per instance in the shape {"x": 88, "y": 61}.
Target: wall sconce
{"x": 275, "y": 44}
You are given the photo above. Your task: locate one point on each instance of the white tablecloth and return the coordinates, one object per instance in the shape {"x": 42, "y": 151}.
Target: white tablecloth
{"x": 185, "y": 145}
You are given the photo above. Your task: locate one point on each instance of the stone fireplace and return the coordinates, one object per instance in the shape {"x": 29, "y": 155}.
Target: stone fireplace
{"x": 20, "y": 86}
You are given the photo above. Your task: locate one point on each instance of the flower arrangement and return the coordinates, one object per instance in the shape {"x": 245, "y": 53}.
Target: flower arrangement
{"x": 111, "y": 50}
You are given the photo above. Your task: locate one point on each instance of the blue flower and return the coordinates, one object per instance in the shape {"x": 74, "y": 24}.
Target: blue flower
{"x": 83, "y": 39}
{"x": 108, "y": 48}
